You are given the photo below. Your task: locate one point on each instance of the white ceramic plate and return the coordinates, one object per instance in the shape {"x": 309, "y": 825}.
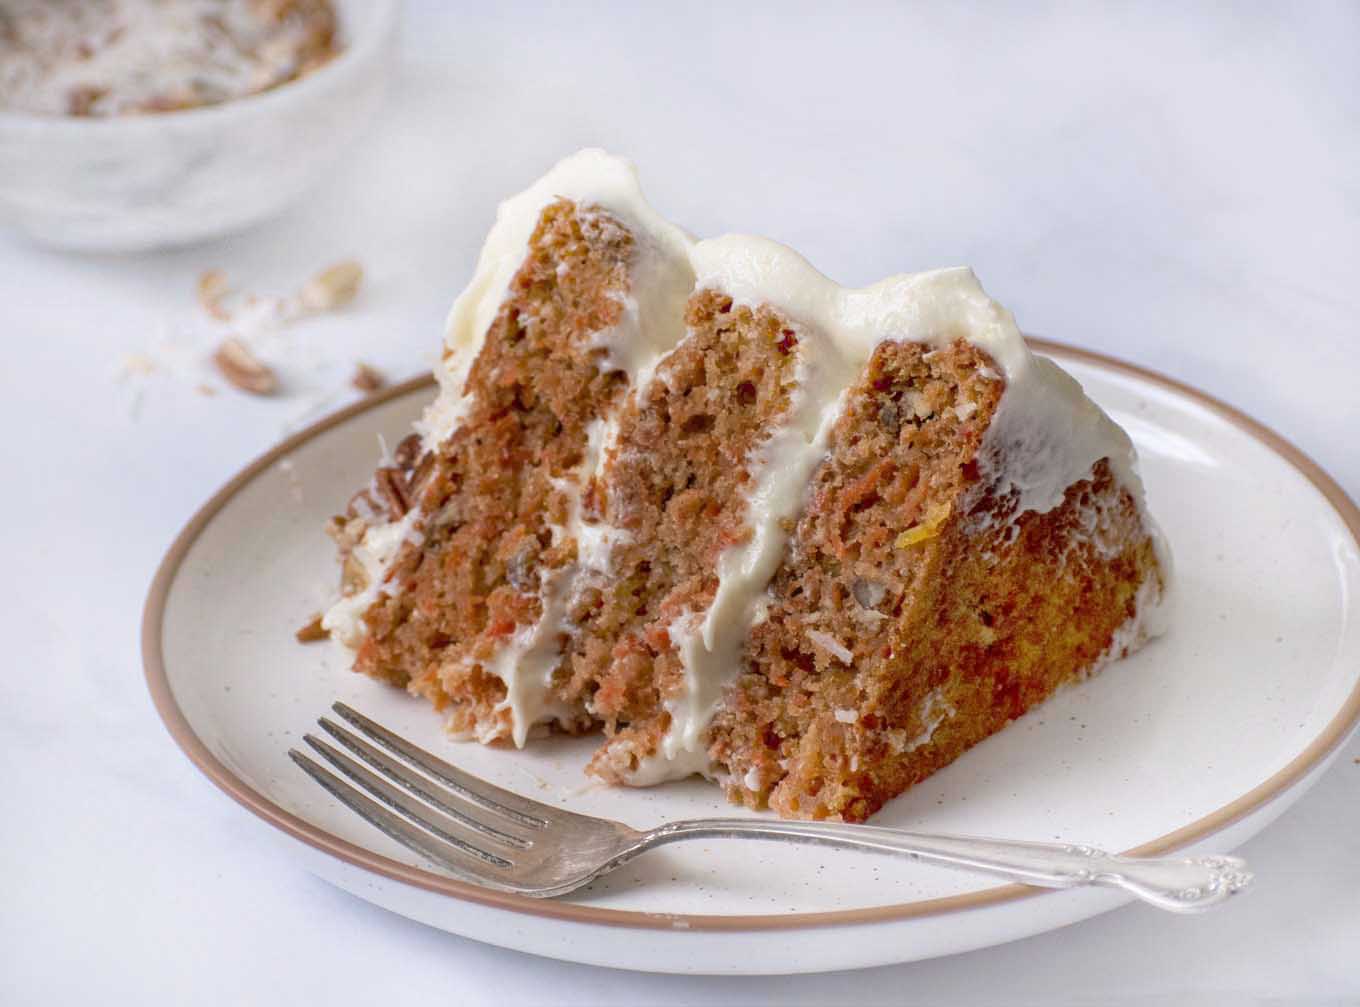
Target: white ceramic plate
{"x": 1197, "y": 742}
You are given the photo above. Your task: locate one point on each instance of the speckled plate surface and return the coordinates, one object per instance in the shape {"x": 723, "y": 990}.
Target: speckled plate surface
{"x": 1196, "y": 742}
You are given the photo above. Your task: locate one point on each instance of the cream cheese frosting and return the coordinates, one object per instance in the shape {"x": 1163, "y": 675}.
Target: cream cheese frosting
{"x": 374, "y": 554}
{"x": 1044, "y": 436}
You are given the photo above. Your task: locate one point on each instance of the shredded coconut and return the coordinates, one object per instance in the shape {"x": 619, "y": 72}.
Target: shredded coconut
{"x": 831, "y": 645}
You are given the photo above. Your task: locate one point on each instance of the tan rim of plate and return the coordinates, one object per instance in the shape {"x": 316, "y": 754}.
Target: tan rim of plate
{"x": 154, "y": 661}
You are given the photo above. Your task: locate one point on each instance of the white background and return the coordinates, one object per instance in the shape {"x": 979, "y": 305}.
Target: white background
{"x": 1176, "y": 189}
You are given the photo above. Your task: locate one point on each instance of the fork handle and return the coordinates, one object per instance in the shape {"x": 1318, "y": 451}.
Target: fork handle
{"x": 1181, "y": 885}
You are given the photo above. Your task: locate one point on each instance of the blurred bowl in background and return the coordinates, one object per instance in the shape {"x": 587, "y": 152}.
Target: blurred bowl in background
{"x": 132, "y": 183}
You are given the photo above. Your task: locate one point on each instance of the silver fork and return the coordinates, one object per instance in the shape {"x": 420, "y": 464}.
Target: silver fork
{"x": 492, "y": 837}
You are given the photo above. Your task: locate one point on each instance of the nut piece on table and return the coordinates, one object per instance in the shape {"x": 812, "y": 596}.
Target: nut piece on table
{"x": 312, "y": 631}
{"x": 367, "y": 379}
{"x": 243, "y": 369}
{"x": 333, "y": 287}
{"x": 212, "y": 288}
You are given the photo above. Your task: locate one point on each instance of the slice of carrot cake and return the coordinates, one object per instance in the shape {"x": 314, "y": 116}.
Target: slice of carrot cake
{"x": 810, "y": 542}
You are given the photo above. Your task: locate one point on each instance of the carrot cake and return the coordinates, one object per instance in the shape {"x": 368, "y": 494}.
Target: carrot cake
{"x": 807, "y": 541}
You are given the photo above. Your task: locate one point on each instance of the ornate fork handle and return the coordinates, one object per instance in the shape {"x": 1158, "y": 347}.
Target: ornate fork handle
{"x": 1181, "y": 885}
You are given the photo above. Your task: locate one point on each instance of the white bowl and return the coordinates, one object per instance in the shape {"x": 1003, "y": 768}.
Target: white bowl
{"x": 135, "y": 183}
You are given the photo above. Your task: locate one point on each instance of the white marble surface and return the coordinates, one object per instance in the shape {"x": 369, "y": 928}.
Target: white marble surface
{"x": 1177, "y": 189}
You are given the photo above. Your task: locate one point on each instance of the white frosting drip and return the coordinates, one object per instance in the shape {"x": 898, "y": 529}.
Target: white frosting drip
{"x": 527, "y": 662}
{"x": 681, "y": 751}
{"x": 375, "y": 553}
{"x": 595, "y": 540}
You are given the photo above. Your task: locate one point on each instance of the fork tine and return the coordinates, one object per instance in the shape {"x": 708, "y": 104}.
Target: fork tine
{"x": 435, "y": 850}
{"x": 402, "y": 803}
{"x": 492, "y": 798}
{"x": 418, "y": 785}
